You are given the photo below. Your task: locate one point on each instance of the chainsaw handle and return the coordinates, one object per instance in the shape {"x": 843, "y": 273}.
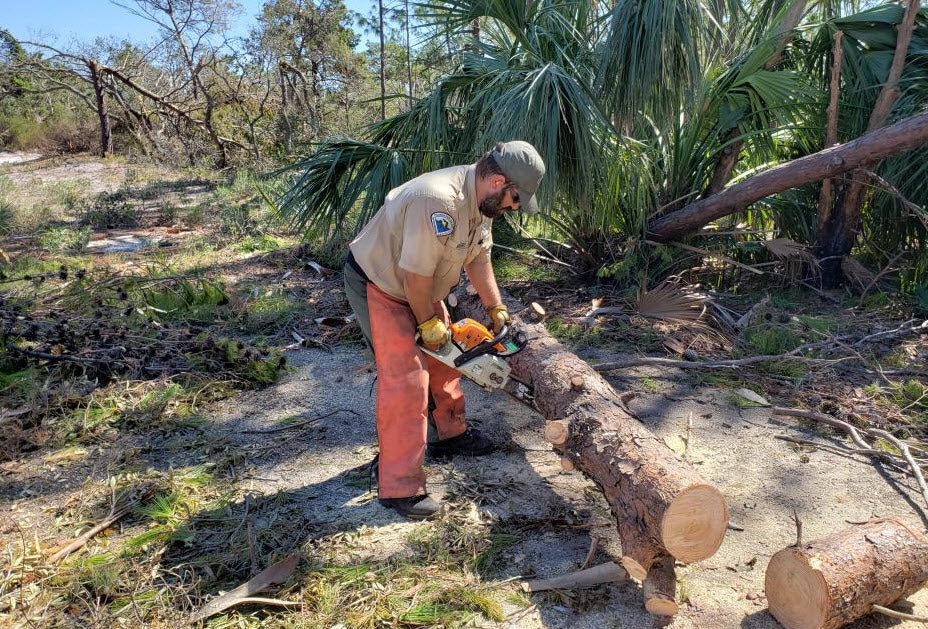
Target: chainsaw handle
{"x": 484, "y": 348}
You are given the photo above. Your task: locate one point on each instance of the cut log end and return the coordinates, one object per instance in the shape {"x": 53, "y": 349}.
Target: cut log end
{"x": 635, "y": 570}
{"x": 556, "y": 432}
{"x": 796, "y": 592}
{"x": 567, "y": 464}
{"x": 577, "y": 383}
{"x": 536, "y": 311}
{"x": 661, "y": 607}
{"x": 694, "y": 524}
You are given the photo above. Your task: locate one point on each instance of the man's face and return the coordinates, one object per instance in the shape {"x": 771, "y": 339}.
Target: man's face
{"x": 495, "y": 205}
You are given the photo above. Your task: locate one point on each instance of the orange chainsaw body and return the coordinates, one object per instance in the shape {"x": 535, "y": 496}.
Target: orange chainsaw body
{"x": 469, "y": 333}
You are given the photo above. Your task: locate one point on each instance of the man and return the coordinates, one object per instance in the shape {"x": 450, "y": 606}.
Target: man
{"x": 399, "y": 270}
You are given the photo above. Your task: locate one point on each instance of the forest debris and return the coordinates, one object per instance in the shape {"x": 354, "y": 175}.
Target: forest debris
{"x": 748, "y": 317}
{"x": 318, "y": 268}
{"x": 674, "y": 346}
{"x": 609, "y": 572}
{"x": 676, "y": 443}
{"x": 77, "y": 543}
{"x": 672, "y": 303}
{"x": 892, "y": 613}
{"x": 866, "y": 448}
{"x": 332, "y": 322}
{"x": 277, "y": 573}
{"x": 752, "y": 396}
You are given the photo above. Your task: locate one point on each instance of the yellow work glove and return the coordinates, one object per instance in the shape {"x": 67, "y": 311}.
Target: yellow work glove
{"x": 499, "y": 315}
{"x": 433, "y": 333}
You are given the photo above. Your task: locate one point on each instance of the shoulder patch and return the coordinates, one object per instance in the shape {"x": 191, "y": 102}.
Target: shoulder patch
{"x": 442, "y": 223}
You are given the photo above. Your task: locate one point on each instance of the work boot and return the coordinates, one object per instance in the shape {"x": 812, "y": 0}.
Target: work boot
{"x": 415, "y": 507}
{"x": 468, "y": 443}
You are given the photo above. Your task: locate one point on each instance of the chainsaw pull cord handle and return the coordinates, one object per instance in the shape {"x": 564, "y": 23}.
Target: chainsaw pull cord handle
{"x": 484, "y": 348}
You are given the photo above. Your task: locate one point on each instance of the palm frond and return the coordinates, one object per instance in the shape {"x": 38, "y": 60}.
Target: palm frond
{"x": 672, "y": 303}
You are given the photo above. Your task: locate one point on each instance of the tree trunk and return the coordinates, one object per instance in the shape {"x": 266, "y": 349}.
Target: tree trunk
{"x": 831, "y": 130}
{"x": 661, "y": 504}
{"x": 408, "y": 57}
{"x": 106, "y": 132}
{"x": 284, "y": 110}
{"x": 725, "y": 166}
{"x": 904, "y": 135}
{"x": 833, "y": 581}
{"x": 840, "y": 232}
{"x": 383, "y": 66}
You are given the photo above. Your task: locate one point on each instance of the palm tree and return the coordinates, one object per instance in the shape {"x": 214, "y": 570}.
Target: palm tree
{"x": 631, "y": 103}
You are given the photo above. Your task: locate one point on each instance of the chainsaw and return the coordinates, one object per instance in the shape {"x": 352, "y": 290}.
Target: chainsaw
{"x": 481, "y": 357}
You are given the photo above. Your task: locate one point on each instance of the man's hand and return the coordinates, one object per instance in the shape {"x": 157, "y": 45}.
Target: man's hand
{"x": 433, "y": 333}
{"x": 499, "y": 315}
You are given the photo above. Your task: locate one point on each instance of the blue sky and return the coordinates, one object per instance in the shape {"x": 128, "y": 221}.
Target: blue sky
{"x": 88, "y": 19}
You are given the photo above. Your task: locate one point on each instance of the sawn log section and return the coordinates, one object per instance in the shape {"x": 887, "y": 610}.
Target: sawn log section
{"x": 661, "y": 504}
{"x": 835, "y": 580}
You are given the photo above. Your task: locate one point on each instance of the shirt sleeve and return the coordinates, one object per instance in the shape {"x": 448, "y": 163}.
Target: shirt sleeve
{"x": 427, "y": 224}
{"x": 483, "y": 242}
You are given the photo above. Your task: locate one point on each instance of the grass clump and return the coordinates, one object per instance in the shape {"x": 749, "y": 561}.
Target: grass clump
{"x": 772, "y": 340}
{"x": 109, "y": 210}
{"x": 57, "y": 239}
{"x": 395, "y": 593}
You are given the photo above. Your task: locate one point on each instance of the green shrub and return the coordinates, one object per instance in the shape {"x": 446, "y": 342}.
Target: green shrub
{"x": 109, "y": 210}
{"x": 772, "y": 340}
{"x": 64, "y": 239}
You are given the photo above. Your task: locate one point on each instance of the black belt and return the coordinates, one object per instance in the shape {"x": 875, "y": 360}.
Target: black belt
{"x": 357, "y": 267}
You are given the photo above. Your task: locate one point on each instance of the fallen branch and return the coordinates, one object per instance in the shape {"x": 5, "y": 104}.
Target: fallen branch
{"x": 637, "y": 361}
{"x": 609, "y": 572}
{"x": 903, "y": 447}
{"x": 907, "y": 455}
{"x": 277, "y": 573}
{"x": 79, "y": 542}
{"x": 892, "y": 613}
{"x": 307, "y": 422}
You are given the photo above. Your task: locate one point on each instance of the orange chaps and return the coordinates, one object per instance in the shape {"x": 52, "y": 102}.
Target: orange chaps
{"x": 405, "y": 376}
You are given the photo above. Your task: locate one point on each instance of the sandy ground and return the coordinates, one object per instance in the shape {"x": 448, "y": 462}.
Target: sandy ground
{"x": 763, "y": 479}
{"x": 7, "y": 157}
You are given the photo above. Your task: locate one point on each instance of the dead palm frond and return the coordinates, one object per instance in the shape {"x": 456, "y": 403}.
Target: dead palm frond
{"x": 672, "y": 303}
{"x": 787, "y": 250}
{"x": 859, "y": 276}
{"x": 795, "y": 257}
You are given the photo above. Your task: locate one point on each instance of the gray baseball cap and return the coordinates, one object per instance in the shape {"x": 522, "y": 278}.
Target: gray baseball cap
{"x": 523, "y": 166}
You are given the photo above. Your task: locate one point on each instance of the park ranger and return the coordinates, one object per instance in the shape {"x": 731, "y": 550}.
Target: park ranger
{"x": 400, "y": 268}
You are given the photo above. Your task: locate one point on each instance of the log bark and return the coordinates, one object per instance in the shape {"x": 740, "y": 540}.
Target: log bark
{"x": 902, "y": 136}
{"x": 661, "y": 504}
{"x": 660, "y": 588}
{"x": 832, "y": 581}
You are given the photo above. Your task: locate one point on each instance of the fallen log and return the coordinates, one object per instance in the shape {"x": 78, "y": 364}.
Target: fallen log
{"x": 833, "y": 581}
{"x": 661, "y": 504}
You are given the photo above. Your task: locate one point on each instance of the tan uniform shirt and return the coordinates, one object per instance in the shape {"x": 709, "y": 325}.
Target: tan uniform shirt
{"x": 431, "y": 226}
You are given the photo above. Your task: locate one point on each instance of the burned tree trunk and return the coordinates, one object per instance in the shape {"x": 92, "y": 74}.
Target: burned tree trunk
{"x": 661, "y": 504}
{"x": 833, "y": 581}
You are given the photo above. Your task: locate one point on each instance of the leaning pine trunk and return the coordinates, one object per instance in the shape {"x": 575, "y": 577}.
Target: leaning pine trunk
{"x": 661, "y": 504}
{"x": 833, "y": 581}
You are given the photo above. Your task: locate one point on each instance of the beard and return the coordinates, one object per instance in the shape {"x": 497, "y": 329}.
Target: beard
{"x": 492, "y": 206}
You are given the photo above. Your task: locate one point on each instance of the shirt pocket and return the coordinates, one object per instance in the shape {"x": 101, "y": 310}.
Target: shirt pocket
{"x": 452, "y": 259}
